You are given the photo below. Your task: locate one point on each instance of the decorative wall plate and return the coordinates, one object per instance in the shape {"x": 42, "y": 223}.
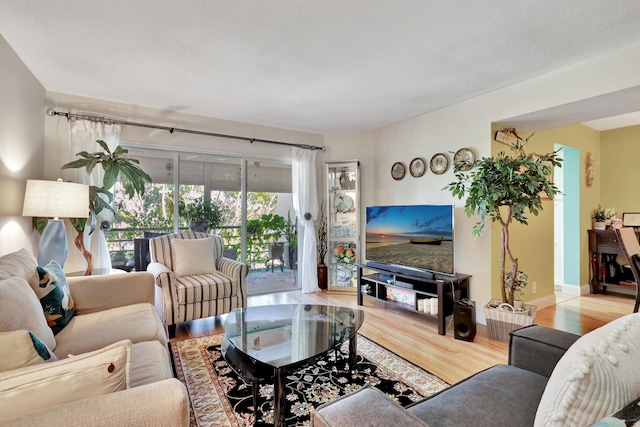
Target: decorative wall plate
{"x": 417, "y": 168}
{"x": 398, "y": 170}
{"x": 464, "y": 159}
{"x": 439, "y": 163}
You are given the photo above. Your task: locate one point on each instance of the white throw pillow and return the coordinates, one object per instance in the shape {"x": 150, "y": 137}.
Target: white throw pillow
{"x": 193, "y": 256}
{"x": 20, "y": 309}
{"x": 596, "y": 377}
{"x": 21, "y": 263}
{"x": 86, "y": 375}
{"x": 22, "y": 348}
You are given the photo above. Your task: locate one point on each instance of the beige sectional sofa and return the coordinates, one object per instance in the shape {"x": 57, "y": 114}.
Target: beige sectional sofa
{"x": 113, "y": 364}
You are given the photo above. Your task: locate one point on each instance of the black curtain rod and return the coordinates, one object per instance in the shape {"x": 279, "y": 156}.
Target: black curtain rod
{"x": 109, "y": 121}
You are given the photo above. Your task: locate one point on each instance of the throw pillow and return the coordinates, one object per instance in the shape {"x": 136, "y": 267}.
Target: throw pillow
{"x": 22, "y": 348}
{"x": 86, "y": 375}
{"x": 55, "y": 296}
{"x": 20, "y": 309}
{"x": 596, "y": 377}
{"x": 193, "y": 256}
{"x": 21, "y": 263}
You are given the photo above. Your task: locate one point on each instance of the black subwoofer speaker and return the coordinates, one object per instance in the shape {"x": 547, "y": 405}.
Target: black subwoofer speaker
{"x": 464, "y": 320}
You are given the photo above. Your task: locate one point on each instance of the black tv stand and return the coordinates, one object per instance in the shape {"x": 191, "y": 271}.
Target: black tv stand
{"x": 400, "y": 270}
{"x": 381, "y": 282}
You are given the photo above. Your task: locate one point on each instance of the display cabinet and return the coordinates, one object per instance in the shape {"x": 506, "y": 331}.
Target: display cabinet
{"x": 343, "y": 228}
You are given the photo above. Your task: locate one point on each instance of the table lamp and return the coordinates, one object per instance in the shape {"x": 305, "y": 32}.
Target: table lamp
{"x": 57, "y": 199}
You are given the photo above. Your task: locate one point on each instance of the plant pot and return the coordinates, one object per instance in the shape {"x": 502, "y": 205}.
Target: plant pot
{"x": 501, "y": 321}
{"x": 322, "y": 276}
{"x": 597, "y": 225}
{"x": 201, "y": 226}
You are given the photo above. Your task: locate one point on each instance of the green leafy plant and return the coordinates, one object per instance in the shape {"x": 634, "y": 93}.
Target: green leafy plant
{"x": 115, "y": 164}
{"x": 502, "y": 189}
{"x": 600, "y": 214}
{"x": 290, "y": 231}
{"x": 204, "y": 210}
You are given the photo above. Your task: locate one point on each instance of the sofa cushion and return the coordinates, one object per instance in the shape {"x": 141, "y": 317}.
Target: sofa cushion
{"x": 149, "y": 363}
{"x": 21, "y": 263}
{"x": 366, "y": 406}
{"x": 55, "y": 296}
{"x": 86, "y": 375}
{"x": 88, "y": 332}
{"x": 22, "y": 348}
{"x": 508, "y": 393}
{"x": 193, "y": 256}
{"x": 596, "y": 377}
{"x": 204, "y": 287}
{"x": 20, "y": 309}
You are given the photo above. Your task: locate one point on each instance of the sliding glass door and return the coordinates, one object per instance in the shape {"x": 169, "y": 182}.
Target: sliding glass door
{"x": 253, "y": 199}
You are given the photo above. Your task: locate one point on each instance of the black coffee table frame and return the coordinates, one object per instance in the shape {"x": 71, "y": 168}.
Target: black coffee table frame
{"x": 255, "y": 371}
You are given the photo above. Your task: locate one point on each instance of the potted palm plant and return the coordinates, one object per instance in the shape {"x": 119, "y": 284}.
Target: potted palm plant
{"x": 116, "y": 165}
{"x": 203, "y": 214}
{"x": 503, "y": 189}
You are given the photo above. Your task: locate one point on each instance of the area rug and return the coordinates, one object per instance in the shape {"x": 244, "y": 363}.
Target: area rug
{"x": 261, "y": 282}
{"x": 218, "y": 397}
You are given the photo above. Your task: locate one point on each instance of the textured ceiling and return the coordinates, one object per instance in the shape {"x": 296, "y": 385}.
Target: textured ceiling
{"x": 318, "y": 66}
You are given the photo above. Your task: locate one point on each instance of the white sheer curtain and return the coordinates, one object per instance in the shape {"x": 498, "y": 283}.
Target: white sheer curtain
{"x": 82, "y": 137}
{"x": 305, "y": 203}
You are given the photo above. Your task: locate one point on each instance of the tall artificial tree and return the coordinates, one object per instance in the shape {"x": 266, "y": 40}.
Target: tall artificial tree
{"x": 502, "y": 189}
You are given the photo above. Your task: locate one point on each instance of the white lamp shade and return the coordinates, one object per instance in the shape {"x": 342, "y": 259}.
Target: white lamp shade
{"x": 46, "y": 199}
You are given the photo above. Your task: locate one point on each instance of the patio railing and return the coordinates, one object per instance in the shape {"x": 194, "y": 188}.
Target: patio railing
{"x": 121, "y": 246}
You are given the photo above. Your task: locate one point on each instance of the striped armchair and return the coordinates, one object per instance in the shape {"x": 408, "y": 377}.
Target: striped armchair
{"x": 189, "y": 297}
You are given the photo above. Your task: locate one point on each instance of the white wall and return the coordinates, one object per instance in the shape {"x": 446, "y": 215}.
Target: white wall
{"x": 468, "y": 124}
{"x": 21, "y": 146}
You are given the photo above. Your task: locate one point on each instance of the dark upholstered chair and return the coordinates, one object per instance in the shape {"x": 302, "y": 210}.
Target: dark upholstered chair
{"x": 141, "y": 256}
{"x": 276, "y": 255}
{"x": 631, "y": 248}
{"x": 195, "y": 295}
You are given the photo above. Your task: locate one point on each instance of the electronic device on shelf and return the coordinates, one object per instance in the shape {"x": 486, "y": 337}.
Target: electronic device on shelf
{"x": 416, "y": 240}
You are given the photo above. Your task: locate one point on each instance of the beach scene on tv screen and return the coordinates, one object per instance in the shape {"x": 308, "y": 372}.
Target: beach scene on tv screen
{"x": 419, "y": 236}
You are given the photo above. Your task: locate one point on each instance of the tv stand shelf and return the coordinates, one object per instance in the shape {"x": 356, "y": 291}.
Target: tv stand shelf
{"x": 378, "y": 283}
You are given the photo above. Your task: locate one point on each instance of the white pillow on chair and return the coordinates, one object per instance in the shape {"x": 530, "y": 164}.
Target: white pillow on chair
{"x": 193, "y": 256}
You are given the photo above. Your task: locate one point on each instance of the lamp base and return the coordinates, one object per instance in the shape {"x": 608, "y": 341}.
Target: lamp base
{"x": 53, "y": 244}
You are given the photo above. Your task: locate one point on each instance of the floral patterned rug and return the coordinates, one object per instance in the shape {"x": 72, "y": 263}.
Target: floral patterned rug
{"x": 218, "y": 397}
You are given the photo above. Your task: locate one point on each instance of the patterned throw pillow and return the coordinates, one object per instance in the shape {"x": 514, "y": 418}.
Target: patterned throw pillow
{"x": 55, "y": 296}
{"x": 22, "y": 348}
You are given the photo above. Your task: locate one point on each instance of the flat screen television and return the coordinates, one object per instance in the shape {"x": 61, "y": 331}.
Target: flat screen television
{"x": 411, "y": 239}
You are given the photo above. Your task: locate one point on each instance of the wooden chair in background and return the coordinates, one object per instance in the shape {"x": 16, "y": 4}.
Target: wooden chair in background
{"x": 631, "y": 248}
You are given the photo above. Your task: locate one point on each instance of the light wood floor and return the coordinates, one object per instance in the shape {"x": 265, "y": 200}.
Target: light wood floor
{"x": 416, "y": 338}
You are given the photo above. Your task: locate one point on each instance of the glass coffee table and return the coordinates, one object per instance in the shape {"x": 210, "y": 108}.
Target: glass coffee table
{"x": 265, "y": 343}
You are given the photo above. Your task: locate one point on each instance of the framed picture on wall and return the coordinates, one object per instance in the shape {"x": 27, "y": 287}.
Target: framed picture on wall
{"x": 631, "y": 219}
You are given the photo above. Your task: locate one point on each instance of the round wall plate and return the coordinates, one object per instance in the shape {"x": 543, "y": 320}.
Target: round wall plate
{"x": 464, "y": 159}
{"x": 417, "y": 167}
{"x": 439, "y": 163}
{"x": 398, "y": 170}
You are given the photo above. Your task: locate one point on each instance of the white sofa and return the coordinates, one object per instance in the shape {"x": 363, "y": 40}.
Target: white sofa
{"x": 116, "y": 331}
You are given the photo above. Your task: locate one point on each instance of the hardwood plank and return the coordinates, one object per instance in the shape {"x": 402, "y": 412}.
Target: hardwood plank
{"x": 415, "y": 337}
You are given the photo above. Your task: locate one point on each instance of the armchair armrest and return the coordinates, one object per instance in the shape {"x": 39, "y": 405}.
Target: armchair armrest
{"x": 236, "y": 270}
{"x": 97, "y": 293}
{"x": 538, "y": 348}
{"x": 162, "y": 274}
{"x": 161, "y": 403}
{"x": 232, "y": 268}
